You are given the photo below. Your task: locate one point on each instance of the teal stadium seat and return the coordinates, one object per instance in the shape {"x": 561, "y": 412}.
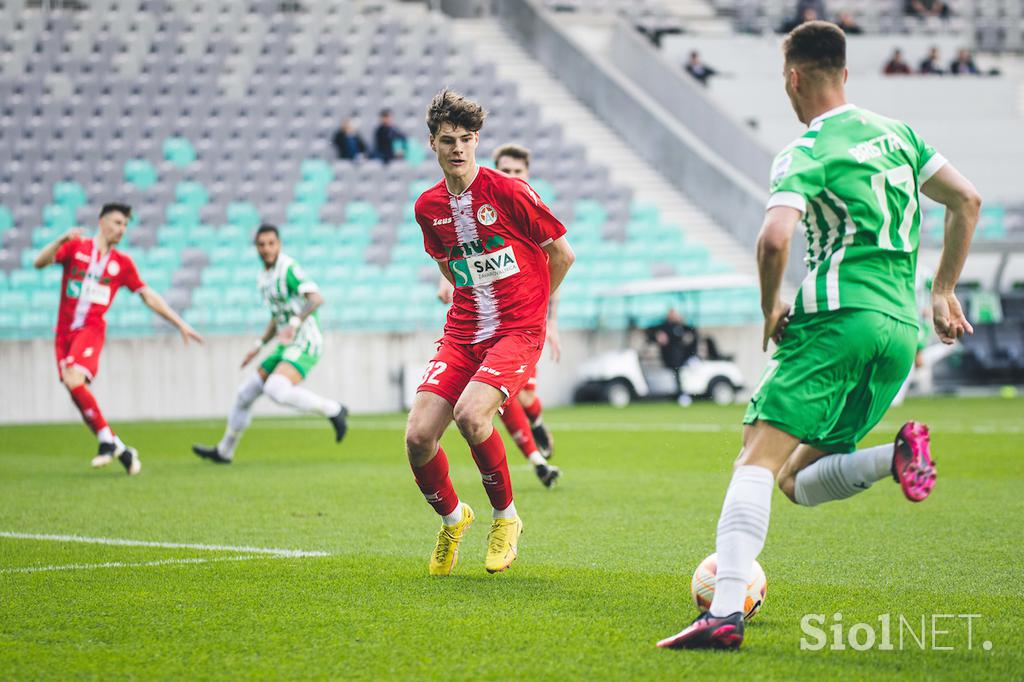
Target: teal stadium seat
{"x": 14, "y": 299}
{"x": 311, "y": 192}
{"x": 361, "y": 213}
{"x": 57, "y": 216}
{"x": 6, "y": 219}
{"x": 70, "y": 195}
{"x": 244, "y": 215}
{"x": 179, "y": 151}
{"x": 302, "y": 215}
{"x": 316, "y": 170}
{"x": 140, "y": 173}
{"x": 191, "y": 193}
{"x": 24, "y": 279}
{"x": 182, "y": 215}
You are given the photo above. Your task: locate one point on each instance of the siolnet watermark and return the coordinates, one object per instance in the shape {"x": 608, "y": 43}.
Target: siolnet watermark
{"x": 893, "y": 632}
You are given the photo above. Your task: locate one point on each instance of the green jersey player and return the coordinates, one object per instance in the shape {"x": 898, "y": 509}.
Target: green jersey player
{"x": 293, "y": 299}
{"x": 848, "y": 341}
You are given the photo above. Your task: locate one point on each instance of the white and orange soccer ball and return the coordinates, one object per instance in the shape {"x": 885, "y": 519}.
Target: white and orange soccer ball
{"x": 702, "y": 587}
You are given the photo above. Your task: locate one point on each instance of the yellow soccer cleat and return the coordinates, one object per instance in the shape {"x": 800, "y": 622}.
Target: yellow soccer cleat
{"x": 446, "y": 551}
{"x": 503, "y": 544}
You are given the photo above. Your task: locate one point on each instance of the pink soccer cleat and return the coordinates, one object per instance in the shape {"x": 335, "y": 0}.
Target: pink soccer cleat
{"x": 912, "y": 465}
{"x": 708, "y": 632}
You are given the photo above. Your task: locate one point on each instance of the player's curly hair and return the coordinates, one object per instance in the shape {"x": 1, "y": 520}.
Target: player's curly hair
{"x": 818, "y": 45}
{"x": 451, "y": 107}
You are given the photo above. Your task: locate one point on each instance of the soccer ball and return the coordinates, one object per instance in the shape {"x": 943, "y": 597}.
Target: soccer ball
{"x": 702, "y": 587}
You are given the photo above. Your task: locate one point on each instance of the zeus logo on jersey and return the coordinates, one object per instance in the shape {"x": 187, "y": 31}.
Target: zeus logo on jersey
{"x": 485, "y": 269}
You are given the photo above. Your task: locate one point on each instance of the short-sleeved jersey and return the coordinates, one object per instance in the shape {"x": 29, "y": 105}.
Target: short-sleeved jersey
{"x": 856, "y": 175}
{"x": 90, "y": 281}
{"x": 492, "y": 236}
{"x": 284, "y": 287}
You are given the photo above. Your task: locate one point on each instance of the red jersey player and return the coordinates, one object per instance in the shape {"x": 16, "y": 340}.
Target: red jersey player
{"x": 495, "y": 240}
{"x": 522, "y": 416}
{"x": 93, "y": 272}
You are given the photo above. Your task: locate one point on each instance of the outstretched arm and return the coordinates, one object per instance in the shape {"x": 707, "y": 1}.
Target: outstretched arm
{"x": 47, "y": 253}
{"x": 158, "y": 305}
{"x": 772, "y": 255}
{"x": 963, "y": 206}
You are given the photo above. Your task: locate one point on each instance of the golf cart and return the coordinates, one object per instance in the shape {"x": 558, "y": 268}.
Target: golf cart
{"x": 622, "y": 376}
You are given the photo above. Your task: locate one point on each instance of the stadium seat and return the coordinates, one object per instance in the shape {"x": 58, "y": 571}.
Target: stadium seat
{"x": 141, "y": 173}
{"x": 179, "y": 151}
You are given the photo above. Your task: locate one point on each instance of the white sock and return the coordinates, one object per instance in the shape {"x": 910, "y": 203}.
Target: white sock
{"x": 508, "y": 512}
{"x": 536, "y": 458}
{"x": 836, "y": 477}
{"x": 537, "y": 422}
{"x": 105, "y": 435}
{"x": 742, "y": 528}
{"x": 118, "y": 443}
{"x": 454, "y": 517}
{"x": 241, "y": 414}
{"x": 283, "y": 392}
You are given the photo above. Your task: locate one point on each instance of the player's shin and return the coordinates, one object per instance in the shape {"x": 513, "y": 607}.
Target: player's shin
{"x": 836, "y": 477}
{"x": 514, "y": 419}
{"x": 533, "y": 411}
{"x": 90, "y": 409}
{"x": 489, "y": 456}
{"x": 742, "y": 529}
{"x": 241, "y": 414}
{"x": 436, "y": 486}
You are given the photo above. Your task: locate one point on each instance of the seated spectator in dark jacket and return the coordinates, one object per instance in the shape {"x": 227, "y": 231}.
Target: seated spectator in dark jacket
{"x": 926, "y": 8}
{"x": 698, "y": 69}
{"x": 385, "y": 137}
{"x": 896, "y": 64}
{"x": 930, "y": 64}
{"x": 963, "y": 64}
{"x": 849, "y": 25}
{"x": 348, "y": 142}
{"x": 805, "y": 15}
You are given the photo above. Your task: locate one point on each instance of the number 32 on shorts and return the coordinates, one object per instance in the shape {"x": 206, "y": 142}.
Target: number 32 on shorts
{"x": 433, "y": 371}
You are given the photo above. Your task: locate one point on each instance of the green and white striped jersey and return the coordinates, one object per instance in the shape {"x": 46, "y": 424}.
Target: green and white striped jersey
{"x": 856, "y": 175}
{"x": 284, "y": 287}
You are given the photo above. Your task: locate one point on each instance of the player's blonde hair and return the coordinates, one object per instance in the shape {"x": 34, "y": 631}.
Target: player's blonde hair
{"x": 451, "y": 107}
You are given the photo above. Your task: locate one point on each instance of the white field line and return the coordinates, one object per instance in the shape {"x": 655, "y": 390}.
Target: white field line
{"x": 604, "y": 427}
{"x": 141, "y": 564}
{"x": 284, "y": 553}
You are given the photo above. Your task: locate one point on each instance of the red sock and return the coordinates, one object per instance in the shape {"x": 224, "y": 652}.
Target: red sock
{"x": 432, "y": 478}
{"x": 533, "y": 411}
{"x": 490, "y": 460}
{"x": 89, "y": 408}
{"x": 518, "y": 427}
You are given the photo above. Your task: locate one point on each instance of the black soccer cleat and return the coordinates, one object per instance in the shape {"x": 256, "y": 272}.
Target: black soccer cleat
{"x": 340, "y": 424}
{"x": 129, "y": 459}
{"x": 708, "y": 632}
{"x": 105, "y": 455}
{"x": 542, "y": 437}
{"x": 211, "y": 453}
{"x": 548, "y": 474}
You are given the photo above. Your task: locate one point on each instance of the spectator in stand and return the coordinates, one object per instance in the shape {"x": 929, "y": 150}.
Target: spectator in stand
{"x": 348, "y": 143}
{"x": 849, "y": 25}
{"x": 804, "y": 14}
{"x": 926, "y": 8}
{"x": 896, "y": 64}
{"x": 698, "y": 69}
{"x": 930, "y": 64}
{"x": 963, "y": 64}
{"x": 385, "y": 138}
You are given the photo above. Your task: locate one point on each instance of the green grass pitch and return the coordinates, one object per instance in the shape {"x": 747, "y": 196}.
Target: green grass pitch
{"x": 603, "y": 571}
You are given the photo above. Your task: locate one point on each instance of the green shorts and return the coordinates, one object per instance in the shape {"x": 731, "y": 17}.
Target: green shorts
{"x": 294, "y": 355}
{"x": 834, "y": 376}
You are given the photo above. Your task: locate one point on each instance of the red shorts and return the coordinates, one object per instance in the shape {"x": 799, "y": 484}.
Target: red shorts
{"x": 80, "y": 348}
{"x": 531, "y": 383}
{"x": 504, "y": 363}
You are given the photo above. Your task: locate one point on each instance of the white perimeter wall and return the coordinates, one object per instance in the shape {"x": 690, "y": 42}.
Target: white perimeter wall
{"x": 160, "y": 378}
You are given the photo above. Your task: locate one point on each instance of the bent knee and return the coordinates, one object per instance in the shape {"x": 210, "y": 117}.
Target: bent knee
{"x": 420, "y": 443}
{"x": 787, "y": 484}
{"x": 71, "y": 379}
{"x": 277, "y": 387}
{"x": 470, "y": 420}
